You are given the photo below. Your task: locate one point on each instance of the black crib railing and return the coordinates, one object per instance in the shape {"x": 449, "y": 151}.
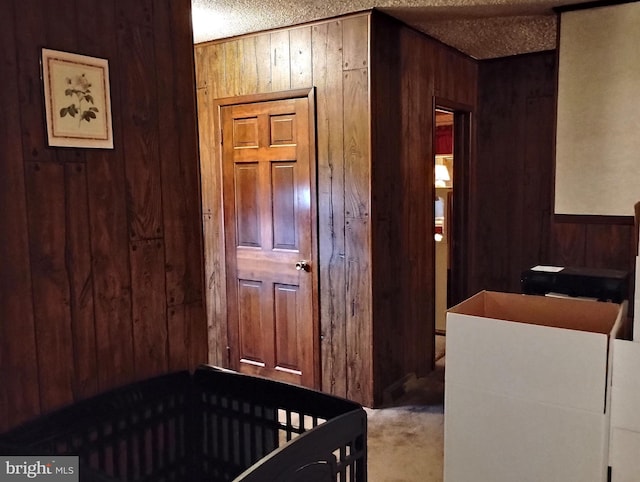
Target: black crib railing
{"x": 212, "y": 425}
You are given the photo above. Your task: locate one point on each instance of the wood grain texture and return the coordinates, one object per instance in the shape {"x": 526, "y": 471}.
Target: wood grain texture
{"x": 280, "y": 60}
{"x": 140, "y": 108}
{"x": 178, "y": 338}
{"x": 356, "y": 141}
{"x": 148, "y": 308}
{"x": 212, "y": 222}
{"x": 195, "y": 321}
{"x": 215, "y": 291}
{"x": 355, "y": 49}
{"x": 511, "y": 184}
{"x": 78, "y": 261}
{"x": 327, "y": 72}
{"x": 389, "y": 127}
{"x": 95, "y": 21}
{"x": 352, "y": 247}
{"x": 515, "y": 139}
{"x": 536, "y": 208}
{"x": 111, "y": 271}
{"x": 248, "y": 65}
{"x": 414, "y": 344}
{"x": 64, "y": 29}
{"x": 19, "y": 390}
{"x": 356, "y": 144}
{"x": 609, "y": 246}
{"x": 300, "y": 53}
{"x": 178, "y": 160}
{"x": 47, "y": 242}
{"x": 359, "y": 336}
{"x": 233, "y": 71}
{"x": 29, "y": 39}
{"x": 418, "y": 70}
{"x": 190, "y": 228}
{"x": 67, "y": 289}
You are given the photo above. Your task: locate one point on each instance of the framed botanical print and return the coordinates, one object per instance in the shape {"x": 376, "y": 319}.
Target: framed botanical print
{"x": 77, "y": 100}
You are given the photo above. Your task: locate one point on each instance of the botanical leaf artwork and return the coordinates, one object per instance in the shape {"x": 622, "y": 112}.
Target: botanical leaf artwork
{"x": 78, "y": 88}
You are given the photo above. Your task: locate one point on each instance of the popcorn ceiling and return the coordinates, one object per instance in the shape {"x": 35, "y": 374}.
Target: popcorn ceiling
{"x": 480, "y": 28}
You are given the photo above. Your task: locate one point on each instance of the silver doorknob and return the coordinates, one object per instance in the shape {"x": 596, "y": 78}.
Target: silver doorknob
{"x": 302, "y": 265}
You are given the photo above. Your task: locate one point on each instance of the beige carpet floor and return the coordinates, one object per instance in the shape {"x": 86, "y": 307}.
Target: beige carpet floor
{"x": 406, "y": 440}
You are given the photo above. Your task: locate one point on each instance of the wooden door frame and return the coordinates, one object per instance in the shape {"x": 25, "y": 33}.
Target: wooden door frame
{"x": 220, "y": 275}
{"x": 462, "y": 165}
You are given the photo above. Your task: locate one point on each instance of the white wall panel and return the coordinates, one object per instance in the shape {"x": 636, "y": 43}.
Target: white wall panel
{"x": 598, "y": 128}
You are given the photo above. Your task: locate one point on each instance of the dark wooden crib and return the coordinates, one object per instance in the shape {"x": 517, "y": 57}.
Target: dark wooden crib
{"x": 210, "y": 425}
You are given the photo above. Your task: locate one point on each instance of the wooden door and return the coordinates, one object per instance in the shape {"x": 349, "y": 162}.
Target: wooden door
{"x": 271, "y": 268}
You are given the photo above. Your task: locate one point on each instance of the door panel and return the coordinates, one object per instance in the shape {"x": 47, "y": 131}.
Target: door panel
{"x": 267, "y": 179}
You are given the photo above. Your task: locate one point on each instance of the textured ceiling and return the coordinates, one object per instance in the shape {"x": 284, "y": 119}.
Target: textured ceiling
{"x": 480, "y": 28}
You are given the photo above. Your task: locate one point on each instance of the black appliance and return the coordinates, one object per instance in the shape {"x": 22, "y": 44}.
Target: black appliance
{"x": 601, "y": 284}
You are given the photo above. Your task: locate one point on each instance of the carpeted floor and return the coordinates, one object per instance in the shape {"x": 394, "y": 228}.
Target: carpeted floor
{"x": 405, "y": 441}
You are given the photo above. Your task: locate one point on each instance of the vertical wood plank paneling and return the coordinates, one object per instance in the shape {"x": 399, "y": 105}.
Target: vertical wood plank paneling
{"x": 214, "y": 273}
{"x": 263, "y": 62}
{"x": 189, "y": 224}
{"x": 148, "y": 307}
{"x": 608, "y": 246}
{"x": 177, "y": 338}
{"x": 537, "y": 146}
{"x": 359, "y": 346}
{"x": 300, "y": 50}
{"x": 568, "y": 244}
{"x": 416, "y": 215}
{"x": 215, "y": 289}
{"x": 111, "y": 275}
{"x": 387, "y": 137}
{"x": 178, "y": 159}
{"x": 183, "y": 251}
{"x": 515, "y": 162}
{"x": 232, "y": 71}
{"x": 249, "y": 66}
{"x": 63, "y": 32}
{"x": 47, "y": 234}
{"x": 357, "y": 239}
{"x": 517, "y": 115}
{"x": 173, "y": 205}
{"x": 95, "y": 33}
{"x": 78, "y": 260}
{"x": 186, "y": 332}
{"x": 355, "y": 49}
{"x": 19, "y": 390}
{"x": 348, "y": 265}
{"x": 30, "y": 38}
{"x": 65, "y": 224}
{"x": 139, "y": 116}
{"x": 496, "y": 157}
{"x": 280, "y": 61}
{"x": 109, "y": 231}
{"x": 327, "y": 75}
{"x": 195, "y": 321}
{"x": 208, "y": 148}
{"x": 202, "y": 64}
{"x": 218, "y": 86}
{"x": 356, "y": 144}
{"x": 415, "y": 68}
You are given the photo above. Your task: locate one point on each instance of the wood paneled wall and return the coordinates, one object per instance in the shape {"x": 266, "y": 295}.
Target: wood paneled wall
{"x": 101, "y": 250}
{"x": 513, "y": 192}
{"x": 409, "y": 71}
{"x": 374, "y": 111}
{"x": 332, "y": 57}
